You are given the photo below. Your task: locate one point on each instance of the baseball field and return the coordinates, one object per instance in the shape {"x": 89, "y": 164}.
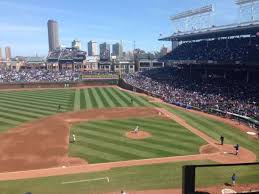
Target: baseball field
{"x": 37, "y": 127}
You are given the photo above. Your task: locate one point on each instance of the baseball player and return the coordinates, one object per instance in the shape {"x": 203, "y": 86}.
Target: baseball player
{"x": 237, "y": 147}
{"x": 74, "y": 138}
{"x": 234, "y": 179}
{"x": 136, "y": 130}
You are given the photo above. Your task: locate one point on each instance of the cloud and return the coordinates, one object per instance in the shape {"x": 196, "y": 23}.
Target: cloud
{"x": 20, "y": 28}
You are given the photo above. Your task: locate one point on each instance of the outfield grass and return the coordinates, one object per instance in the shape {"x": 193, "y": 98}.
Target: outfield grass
{"x": 148, "y": 177}
{"x": 215, "y": 129}
{"x": 18, "y": 107}
{"x": 105, "y": 141}
{"x": 96, "y": 98}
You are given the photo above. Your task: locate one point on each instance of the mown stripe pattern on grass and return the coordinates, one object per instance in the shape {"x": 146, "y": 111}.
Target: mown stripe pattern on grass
{"x": 215, "y": 129}
{"x": 109, "y": 98}
{"x": 21, "y": 106}
{"x": 105, "y": 141}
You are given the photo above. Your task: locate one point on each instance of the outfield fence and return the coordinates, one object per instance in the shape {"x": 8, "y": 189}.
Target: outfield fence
{"x": 92, "y": 82}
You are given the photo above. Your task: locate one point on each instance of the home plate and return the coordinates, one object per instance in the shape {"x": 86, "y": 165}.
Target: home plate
{"x": 251, "y": 133}
{"x": 225, "y": 152}
{"x": 63, "y": 166}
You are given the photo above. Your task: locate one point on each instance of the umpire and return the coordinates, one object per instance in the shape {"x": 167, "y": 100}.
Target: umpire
{"x": 222, "y": 140}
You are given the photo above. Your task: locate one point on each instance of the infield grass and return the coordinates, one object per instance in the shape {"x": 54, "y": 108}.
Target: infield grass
{"x": 105, "y": 141}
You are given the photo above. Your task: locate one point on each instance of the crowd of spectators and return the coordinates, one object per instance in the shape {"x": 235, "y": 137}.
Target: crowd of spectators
{"x": 68, "y": 54}
{"x": 223, "y": 50}
{"x": 54, "y": 55}
{"x": 173, "y": 86}
{"x": 100, "y": 75}
{"x": 24, "y": 76}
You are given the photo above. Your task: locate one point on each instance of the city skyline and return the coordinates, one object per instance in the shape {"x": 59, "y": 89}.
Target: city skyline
{"x": 91, "y": 21}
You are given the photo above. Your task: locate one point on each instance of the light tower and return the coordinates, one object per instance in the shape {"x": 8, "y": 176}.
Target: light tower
{"x": 193, "y": 19}
{"x": 248, "y": 10}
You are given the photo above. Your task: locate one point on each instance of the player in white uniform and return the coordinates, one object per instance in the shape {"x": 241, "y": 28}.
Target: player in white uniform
{"x": 136, "y": 130}
{"x": 74, "y": 138}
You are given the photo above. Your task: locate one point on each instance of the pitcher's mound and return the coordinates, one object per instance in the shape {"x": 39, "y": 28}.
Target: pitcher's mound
{"x": 138, "y": 135}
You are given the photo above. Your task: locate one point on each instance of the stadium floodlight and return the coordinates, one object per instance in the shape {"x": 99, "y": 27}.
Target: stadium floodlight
{"x": 193, "y": 19}
{"x": 242, "y": 2}
{"x": 192, "y": 12}
{"x": 247, "y": 9}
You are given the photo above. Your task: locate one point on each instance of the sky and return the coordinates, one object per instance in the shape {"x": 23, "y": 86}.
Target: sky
{"x": 23, "y": 23}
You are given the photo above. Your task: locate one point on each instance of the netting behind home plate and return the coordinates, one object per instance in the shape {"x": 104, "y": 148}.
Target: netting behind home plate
{"x": 232, "y": 178}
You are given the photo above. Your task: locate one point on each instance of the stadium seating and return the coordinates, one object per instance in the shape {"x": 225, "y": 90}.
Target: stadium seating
{"x": 220, "y": 50}
{"x": 67, "y": 55}
{"x": 174, "y": 86}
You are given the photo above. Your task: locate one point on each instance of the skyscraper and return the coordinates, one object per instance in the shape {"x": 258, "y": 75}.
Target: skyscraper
{"x": 105, "y": 52}
{"x": 117, "y": 50}
{"x": 1, "y": 56}
{"x": 53, "y": 35}
{"x": 76, "y": 44}
{"x": 8, "y": 55}
{"x": 92, "y": 48}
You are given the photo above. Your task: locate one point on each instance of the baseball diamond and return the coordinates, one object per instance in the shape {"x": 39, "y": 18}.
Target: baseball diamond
{"x": 99, "y": 118}
{"x": 114, "y": 112}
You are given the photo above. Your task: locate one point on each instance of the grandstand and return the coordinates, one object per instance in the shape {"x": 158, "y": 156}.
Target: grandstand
{"x": 218, "y": 51}
{"x": 66, "y": 56}
{"x": 214, "y": 69}
{"x": 231, "y": 44}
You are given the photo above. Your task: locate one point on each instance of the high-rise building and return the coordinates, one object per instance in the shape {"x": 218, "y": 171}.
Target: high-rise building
{"x": 92, "y": 48}
{"x": 163, "y": 51}
{"x": 1, "y": 56}
{"x": 76, "y": 44}
{"x": 117, "y": 50}
{"x": 8, "y": 55}
{"x": 105, "y": 52}
{"x": 53, "y": 35}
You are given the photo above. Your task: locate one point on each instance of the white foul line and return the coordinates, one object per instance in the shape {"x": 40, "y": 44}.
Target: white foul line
{"x": 87, "y": 180}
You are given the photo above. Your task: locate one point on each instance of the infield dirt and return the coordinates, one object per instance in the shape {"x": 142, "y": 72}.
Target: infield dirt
{"x": 44, "y": 143}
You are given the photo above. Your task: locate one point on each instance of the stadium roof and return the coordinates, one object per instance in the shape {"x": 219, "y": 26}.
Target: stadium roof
{"x": 216, "y": 32}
